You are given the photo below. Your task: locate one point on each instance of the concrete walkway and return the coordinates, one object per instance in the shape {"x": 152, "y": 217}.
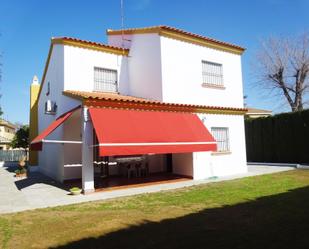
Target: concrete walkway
{"x": 38, "y": 191}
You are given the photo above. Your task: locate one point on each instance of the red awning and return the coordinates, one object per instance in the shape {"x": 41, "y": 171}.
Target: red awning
{"x": 37, "y": 143}
{"x": 130, "y": 132}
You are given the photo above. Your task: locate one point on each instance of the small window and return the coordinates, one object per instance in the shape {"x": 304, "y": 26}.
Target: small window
{"x": 50, "y": 107}
{"x": 221, "y": 135}
{"x": 105, "y": 80}
{"x": 212, "y": 74}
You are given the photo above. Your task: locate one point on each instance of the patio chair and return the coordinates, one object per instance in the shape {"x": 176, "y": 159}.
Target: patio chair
{"x": 138, "y": 169}
{"x": 144, "y": 170}
{"x": 131, "y": 170}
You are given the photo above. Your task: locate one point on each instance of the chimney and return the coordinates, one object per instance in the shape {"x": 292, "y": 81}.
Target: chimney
{"x": 33, "y": 122}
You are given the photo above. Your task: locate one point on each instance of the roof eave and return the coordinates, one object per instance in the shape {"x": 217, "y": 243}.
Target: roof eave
{"x": 154, "y": 105}
{"x": 90, "y": 45}
{"x": 183, "y": 36}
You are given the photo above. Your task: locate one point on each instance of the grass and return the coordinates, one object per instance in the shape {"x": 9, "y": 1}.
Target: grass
{"x": 269, "y": 211}
{"x": 5, "y": 231}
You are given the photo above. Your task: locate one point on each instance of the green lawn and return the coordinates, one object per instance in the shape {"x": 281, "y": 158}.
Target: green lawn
{"x": 270, "y": 211}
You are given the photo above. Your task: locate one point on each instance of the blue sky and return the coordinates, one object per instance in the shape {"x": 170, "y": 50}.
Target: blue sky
{"x": 27, "y": 26}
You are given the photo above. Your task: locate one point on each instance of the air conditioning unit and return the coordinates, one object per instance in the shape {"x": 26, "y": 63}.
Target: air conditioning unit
{"x": 50, "y": 107}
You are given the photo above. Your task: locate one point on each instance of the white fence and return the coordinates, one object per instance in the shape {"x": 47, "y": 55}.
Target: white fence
{"x": 12, "y": 155}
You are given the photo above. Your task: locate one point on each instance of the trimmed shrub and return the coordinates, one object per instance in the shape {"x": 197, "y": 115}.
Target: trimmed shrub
{"x": 282, "y": 138}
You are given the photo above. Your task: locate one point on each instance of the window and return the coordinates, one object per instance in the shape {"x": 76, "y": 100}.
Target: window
{"x": 50, "y": 107}
{"x": 221, "y": 134}
{"x": 105, "y": 80}
{"x": 212, "y": 74}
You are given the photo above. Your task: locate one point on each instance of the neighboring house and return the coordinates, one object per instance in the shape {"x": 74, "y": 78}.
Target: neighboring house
{"x": 257, "y": 113}
{"x": 173, "y": 96}
{"x": 7, "y": 133}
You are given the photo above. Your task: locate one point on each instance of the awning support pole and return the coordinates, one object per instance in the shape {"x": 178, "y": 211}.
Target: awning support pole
{"x": 87, "y": 153}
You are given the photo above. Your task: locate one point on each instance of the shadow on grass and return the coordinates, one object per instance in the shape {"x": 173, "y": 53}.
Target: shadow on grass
{"x": 278, "y": 221}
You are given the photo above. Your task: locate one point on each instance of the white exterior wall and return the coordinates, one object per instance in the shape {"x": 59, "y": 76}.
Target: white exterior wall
{"x": 79, "y": 66}
{"x": 51, "y": 158}
{"x": 7, "y": 132}
{"x": 144, "y": 64}
{"x": 182, "y": 83}
{"x": 170, "y": 70}
{"x": 117, "y": 41}
{"x": 71, "y": 68}
{"x": 207, "y": 164}
{"x": 72, "y": 152}
{"x": 182, "y": 75}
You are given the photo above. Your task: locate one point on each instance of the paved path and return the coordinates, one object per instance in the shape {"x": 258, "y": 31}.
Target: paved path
{"x": 38, "y": 191}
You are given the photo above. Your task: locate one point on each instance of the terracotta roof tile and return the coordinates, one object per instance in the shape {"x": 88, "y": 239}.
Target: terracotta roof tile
{"x": 91, "y": 43}
{"x": 106, "y": 96}
{"x": 168, "y": 28}
{"x": 125, "y": 98}
{"x": 258, "y": 111}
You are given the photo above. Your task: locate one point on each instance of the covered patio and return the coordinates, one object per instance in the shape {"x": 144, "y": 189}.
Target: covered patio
{"x": 128, "y": 143}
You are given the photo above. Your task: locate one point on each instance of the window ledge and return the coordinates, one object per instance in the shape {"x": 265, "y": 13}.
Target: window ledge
{"x": 207, "y": 85}
{"x": 50, "y": 113}
{"x": 219, "y": 153}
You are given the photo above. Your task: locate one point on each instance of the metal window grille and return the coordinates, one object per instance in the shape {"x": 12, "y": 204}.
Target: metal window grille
{"x": 212, "y": 73}
{"x": 105, "y": 80}
{"x": 221, "y": 135}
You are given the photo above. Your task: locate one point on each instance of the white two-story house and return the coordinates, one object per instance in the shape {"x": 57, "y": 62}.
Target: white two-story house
{"x": 155, "y": 101}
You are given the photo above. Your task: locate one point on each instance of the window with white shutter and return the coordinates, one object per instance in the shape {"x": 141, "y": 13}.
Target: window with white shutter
{"x": 221, "y": 135}
{"x": 105, "y": 80}
{"x": 212, "y": 74}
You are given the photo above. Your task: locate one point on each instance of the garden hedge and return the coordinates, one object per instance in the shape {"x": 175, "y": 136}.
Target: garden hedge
{"x": 283, "y": 138}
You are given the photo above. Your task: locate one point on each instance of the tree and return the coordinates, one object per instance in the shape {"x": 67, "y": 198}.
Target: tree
{"x": 283, "y": 68}
{"x": 21, "y": 138}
